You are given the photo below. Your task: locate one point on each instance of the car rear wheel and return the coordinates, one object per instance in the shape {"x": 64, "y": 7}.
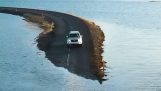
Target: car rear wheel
{"x": 80, "y": 45}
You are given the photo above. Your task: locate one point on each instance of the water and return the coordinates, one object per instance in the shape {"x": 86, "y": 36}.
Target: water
{"x": 132, "y": 47}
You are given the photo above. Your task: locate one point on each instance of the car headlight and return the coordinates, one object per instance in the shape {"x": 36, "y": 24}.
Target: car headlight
{"x": 79, "y": 40}
{"x": 68, "y": 41}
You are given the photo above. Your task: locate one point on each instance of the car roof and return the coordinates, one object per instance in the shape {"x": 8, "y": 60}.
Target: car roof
{"x": 73, "y": 32}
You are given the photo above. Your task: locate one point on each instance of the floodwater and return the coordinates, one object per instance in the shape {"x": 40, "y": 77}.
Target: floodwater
{"x": 132, "y": 47}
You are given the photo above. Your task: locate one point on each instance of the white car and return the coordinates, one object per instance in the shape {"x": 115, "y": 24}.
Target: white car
{"x": 74, "y": 38}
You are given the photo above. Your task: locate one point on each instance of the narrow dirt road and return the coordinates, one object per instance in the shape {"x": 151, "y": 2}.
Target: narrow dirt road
{"x": 54, "y": 43}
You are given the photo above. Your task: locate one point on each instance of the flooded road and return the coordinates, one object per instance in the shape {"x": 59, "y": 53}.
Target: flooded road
{"x": 132, "y": 49}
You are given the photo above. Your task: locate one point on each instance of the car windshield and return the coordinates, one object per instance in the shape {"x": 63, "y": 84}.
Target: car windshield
{"x": 73, "y": 35}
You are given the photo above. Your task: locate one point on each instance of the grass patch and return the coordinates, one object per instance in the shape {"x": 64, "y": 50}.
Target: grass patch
{"x": 42, "y": 21}
{"x": 98, "y": 37}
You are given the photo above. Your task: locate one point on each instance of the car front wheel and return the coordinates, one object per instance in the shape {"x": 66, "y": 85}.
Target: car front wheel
{"x": 68, "y": 45}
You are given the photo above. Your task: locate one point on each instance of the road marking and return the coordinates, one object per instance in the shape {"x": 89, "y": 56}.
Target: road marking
{"x": 68, "y": 56}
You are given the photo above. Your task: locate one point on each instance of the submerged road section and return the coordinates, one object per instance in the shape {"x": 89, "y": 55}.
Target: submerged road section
{"x": 80, "y": 60}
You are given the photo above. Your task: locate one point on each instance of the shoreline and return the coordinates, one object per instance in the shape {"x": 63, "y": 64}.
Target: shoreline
{"x": 55, "y": 28}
